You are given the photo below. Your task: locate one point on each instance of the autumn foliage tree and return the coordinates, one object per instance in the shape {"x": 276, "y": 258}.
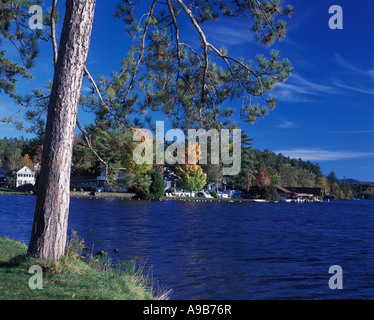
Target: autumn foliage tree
{"x": 191, "y": 176}
{"x": 262, "y": 177}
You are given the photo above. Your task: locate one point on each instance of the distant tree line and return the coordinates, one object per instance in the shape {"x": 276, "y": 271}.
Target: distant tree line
{"x": 266, "y": 167}
{"x": 113, "y": 149}
{"x": 343, "y": 190}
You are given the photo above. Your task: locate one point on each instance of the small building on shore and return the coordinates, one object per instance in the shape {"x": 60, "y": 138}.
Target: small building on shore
{"x": 283, "y": 192}
{"x": 93, "y": 181}
{"x": 299, "y": 192}
{"x": 25, "y": 176}
{"x": 315, "y": 192}
{"x": 83, "y": 182}
{"x": 170, "y": 180}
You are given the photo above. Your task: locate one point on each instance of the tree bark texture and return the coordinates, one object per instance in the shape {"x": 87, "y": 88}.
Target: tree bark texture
{"x": 49, "y": 232}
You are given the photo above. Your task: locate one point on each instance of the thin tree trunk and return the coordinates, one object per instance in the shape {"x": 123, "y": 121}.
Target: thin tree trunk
{"x": 48, "y": 236}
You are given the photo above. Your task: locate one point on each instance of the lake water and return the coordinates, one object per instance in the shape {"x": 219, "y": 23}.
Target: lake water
{"x": 226, "y": 250}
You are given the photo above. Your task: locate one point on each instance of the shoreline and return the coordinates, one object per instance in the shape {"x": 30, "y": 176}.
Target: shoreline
{"x": 197, "y": 199}
{"x": 132, "y": 196}
{"x": 102, "y": 195}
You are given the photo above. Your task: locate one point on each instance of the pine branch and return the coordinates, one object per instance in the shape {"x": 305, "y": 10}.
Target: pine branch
{"x": 89, "y": 144}
{"x": 205, "y": 45}
{"x": 176, "y": 34}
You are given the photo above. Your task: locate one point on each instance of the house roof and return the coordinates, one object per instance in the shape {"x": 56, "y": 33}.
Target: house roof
{"x": 302, "y": 192}
{"x": 83, "y": 178}
{"x": 315, "y": 191}
{"x": 25, "y": 168}
{"x": 284, "y": 190}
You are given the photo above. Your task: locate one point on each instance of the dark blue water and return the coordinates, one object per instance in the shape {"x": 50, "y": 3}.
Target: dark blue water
{"x": 221, "y": 250}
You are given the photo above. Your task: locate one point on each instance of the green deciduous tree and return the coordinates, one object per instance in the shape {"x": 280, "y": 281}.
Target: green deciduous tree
{"x": 296, "y": 177}
{"x": 191, "y": 177}
{"x": 274, "y": 176}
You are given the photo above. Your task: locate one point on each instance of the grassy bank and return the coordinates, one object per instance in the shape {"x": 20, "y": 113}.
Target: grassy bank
{"x": 69, "y": 278}
{"x": 13, "y": 191}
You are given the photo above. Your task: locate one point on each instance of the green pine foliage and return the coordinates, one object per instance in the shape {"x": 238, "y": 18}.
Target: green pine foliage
{"x": 248, "y": 167}
{"x": 191, "y": 86}
{"x": 267, "y": 192}
{"x": 157, "y": 188}
{"x": 14, "y": 31}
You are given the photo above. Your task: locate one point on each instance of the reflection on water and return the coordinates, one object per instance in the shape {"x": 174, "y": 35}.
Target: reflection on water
{"x": 221, "y": 250}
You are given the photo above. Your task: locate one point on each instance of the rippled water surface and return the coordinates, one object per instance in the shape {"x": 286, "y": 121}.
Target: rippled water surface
{"x": 226, "y": 250}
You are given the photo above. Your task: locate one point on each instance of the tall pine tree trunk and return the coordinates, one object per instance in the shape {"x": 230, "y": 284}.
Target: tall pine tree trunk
{"x": 48, "y": 236}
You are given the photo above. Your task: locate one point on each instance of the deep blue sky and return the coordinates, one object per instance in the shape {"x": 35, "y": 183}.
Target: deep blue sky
{"x": 325, "y": 110}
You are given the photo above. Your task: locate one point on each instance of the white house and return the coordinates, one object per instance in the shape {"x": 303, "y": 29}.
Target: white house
{"x": 25, "y": 176}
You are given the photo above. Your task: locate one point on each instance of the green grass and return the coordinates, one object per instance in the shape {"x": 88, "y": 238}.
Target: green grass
{"x": 70, "y": 278}
{"x": 11, "y": 191}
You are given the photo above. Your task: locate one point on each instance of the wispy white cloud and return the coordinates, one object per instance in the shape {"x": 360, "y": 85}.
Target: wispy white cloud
{"x": 371, "y": 73}
{"x": 350, "y": 131}
{"x": 297, "y": 88}
{"x": 363, "y": 82}
{"x": 353, "y": 66}
{"x": 228, "y": 33}
{"x": 346, "y": 64}
{"x": 287, "y": 124}
{"x": 300, "y": 89}
{"x": 323, "y": 155}
{"x": 360, "y": 89}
